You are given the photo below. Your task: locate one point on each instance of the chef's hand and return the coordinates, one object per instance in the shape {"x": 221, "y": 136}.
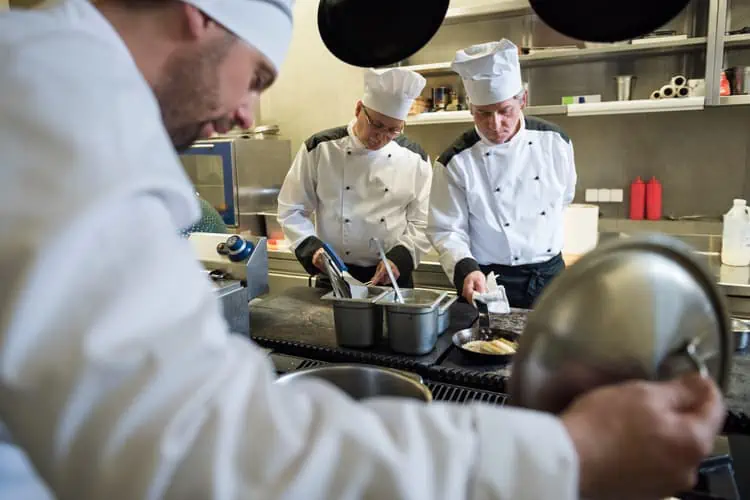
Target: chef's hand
{"x": 318, "y": 259}
{"x": 474, "y": 282}
{"x": 644, "y": 440}
{"x": 381, "y": 275}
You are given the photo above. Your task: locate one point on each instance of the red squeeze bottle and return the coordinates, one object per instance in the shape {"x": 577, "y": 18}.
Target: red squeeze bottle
{"x": 653, "y": 199}
{"x": 638, "y": 199}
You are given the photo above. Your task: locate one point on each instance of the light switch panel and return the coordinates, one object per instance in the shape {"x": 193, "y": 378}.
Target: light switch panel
{"x": 604, "y": 196}
{"x": 616, "y": 195}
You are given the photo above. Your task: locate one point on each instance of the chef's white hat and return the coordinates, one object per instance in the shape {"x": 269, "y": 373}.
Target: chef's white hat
{"x": 392, "y": 92}
{"x": 491, "y": 72}
{"x": 264, "y": 24}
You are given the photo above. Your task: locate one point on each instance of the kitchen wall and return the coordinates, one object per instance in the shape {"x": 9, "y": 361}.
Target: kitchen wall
{"x": 3, "y": 4}
{"x": 701, "y": 158}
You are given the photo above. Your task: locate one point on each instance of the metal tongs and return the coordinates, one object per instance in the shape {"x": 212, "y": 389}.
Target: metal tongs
{"x": 335, "y": 271}
{"x": 384, "y": 260}
{"x": 484, "y": 318}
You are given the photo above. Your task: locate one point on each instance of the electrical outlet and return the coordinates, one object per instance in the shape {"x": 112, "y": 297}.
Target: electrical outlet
{"x": 616, "y": 195}
{"x": 592, "y": 195}
{"x": 604, "y": 196}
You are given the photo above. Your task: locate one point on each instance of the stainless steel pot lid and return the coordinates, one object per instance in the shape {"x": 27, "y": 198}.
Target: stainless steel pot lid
{"x": 374, "y": 34}
{"x": 636, "y": 308}
{"x": 597, "y": 21}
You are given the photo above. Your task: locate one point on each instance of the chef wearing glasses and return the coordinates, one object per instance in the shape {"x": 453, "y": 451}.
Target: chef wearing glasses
{"x": 359, "y": 181}
{"x": 499, "y": 191}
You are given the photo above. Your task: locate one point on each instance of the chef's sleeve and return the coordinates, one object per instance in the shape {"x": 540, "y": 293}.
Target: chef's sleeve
{"x": 571, "y": 175}
{"x": 413, "y": 243}
{"x": 448, "y": 226}
{"x": 121, "y": 381}
{"x": 298, "y": 201}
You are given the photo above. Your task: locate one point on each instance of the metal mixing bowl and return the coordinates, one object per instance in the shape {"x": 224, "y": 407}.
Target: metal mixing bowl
{"x": 364, "y": 382}
{"x": 637, "y": 308}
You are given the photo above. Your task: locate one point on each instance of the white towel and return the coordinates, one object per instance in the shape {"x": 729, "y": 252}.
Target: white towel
{"x": 495, "y": 297}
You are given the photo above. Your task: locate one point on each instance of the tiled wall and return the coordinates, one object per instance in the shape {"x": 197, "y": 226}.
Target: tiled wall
{"x": 701, "y": 157}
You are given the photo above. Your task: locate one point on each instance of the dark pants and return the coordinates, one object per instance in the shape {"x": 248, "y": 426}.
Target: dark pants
{"x": 365, "y": 274}
{"x": 523, "y": 284}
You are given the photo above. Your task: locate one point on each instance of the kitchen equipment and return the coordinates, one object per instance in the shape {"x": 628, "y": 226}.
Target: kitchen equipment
{"x": 238, "y": 175}
{"x": 679, "y": 81}
{"x": 653, "y": 199}
{"x": 356, "y": 33}
{"x": 638, "y": 199}
{"x": 741, "y": 332}
{"x": 625, "y": 85}
{"x": 412, "y": 322}
{"x": 236, "y": 280}
{"x": 463, "y": 337}
{"x": 362, "y": 382}
{"x": 668, "y": 91}
{"x": 596, "y": 21}
{"x": 384, "y": 260}
{"x": 440, "y": 98}
{"x": 358, "y": 321}
{"x": 636, "y": 308}
{"x": 444, "y": 317}
{"x": 739, "y": 79}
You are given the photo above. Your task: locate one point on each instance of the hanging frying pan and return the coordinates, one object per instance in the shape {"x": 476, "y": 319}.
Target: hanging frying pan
{"x": 367, "y": 34}
{"x": 373, "y": 34}
{"x": 600, "y": 21}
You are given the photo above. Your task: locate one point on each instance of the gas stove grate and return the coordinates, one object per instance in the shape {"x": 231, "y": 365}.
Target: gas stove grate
{"x": 463, "y": 395}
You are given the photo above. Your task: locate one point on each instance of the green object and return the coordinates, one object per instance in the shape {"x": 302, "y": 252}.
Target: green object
{"x": 210, "y": 221}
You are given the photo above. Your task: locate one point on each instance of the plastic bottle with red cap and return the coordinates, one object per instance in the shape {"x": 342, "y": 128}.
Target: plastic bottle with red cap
{"x": 653, "y": 199}
{"x": 638, "y": 199}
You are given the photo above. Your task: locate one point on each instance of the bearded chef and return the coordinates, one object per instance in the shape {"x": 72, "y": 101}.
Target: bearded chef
{"x": 499, "y": 191}
{"x": 362, "y": 180}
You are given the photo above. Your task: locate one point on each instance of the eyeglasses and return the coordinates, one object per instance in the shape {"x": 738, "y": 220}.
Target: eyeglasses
{"x": 382, "y": 129}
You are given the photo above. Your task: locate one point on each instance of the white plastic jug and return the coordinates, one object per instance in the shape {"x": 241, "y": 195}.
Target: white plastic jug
{"x": 735, "y": 243}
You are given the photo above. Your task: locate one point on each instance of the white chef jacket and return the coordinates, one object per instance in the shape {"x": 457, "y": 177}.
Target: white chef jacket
{"x": 118, "y": 376}
{"x": 502, "y": 203}
{"x": 355, "y": 194}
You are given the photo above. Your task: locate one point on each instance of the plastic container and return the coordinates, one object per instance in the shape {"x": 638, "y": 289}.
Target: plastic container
{"x": 653, "y": 199}
{"x": 735, "y": 244}
{"x": 638, "y": 199}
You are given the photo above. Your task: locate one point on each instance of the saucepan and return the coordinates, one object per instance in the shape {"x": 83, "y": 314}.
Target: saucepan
{"x": 364, "y": 381}
{"x": 366, "y": 34}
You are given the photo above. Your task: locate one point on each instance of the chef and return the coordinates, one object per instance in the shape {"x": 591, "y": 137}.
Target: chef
{"x": 363, "y": 180}
{"x": 118, "y": 362}
{"x": 499, "y": 191}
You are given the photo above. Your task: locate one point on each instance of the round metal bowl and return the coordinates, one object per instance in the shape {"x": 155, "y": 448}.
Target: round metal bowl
{"x": 463, "y": 337}
{"x": 636, "y": 308}
{"x": 364, "y": 382}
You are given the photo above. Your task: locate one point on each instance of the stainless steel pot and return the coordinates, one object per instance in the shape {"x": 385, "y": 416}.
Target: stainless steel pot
{"x": 365, "y": 382}
{"x": 358, "y": 322}
{"x": 413, "y": 324}
{"x": 635, "y": 308}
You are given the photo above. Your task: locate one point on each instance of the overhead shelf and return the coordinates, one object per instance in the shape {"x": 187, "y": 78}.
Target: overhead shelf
{"x": 552, "y": 57}
{"x": 735, "y": 100}
{"x": 637, "y": 107}
{"x": 737, "y": 41}
{"x": 590, "y": 109}
{"x": 493, "y": 10}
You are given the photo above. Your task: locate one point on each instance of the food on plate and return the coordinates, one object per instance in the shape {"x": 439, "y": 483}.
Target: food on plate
{"x": 497, "y": 346}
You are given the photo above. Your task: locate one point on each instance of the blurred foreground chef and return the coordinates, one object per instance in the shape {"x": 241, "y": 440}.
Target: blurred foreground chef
{"x": 499, "y": 191}
{"x": 118, "y": 376}
{"x": 360, "y": 181}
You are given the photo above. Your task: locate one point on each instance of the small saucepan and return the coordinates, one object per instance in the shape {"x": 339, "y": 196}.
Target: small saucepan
{"x": 464, "y": 337}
